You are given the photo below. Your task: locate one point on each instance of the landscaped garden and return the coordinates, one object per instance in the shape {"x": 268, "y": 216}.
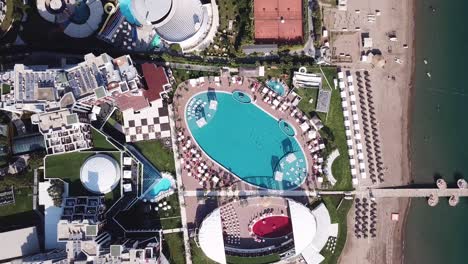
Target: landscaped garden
{"x": 334, "y": 130}
{"x": 67, "y": 167}
{"x": 338, "y": 209}
{"x": 159, "y": 155}
{"x": 173, "y": 248}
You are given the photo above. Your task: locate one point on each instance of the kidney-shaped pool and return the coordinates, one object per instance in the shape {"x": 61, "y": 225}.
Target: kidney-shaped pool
{"x": 245, "y": 140}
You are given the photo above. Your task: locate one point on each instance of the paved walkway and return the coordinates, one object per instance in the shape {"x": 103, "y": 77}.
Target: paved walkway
{"x": 174, "y": 230}
{"x": 183, "y": 211}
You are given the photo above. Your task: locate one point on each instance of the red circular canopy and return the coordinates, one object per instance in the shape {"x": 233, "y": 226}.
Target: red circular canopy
{"x": 272, "y": 227}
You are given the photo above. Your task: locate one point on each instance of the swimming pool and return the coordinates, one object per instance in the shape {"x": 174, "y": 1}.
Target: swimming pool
{"x": 162, "y": 186}
{"x": 276, "y": 87}
{"x": 245, "y": 140}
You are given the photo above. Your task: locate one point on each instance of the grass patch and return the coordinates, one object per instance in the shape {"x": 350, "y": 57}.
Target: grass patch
{"x": 198, "y": 256}
{"x": 158, "y": 154}
{"x": 307, "y": 95}
{"x": 337, "y": 216}
{"x": 100, "y": 141}
{"x": 67, "y": 167}
{"x": 173, "y": 248}
{"x": 6, "y": 88}
{"x": 334, "y": 130}
{"x": 21, "y": 213}
{"x": 23, "y": 202}
{"x": 252, "y": 260}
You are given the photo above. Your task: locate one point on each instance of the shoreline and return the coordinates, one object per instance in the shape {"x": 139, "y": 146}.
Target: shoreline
{"x": 410, "y": 108}
{"x": 394, "y": 91}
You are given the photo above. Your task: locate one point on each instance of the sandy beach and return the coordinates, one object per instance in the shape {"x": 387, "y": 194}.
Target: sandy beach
{"x": 391, "y": 87}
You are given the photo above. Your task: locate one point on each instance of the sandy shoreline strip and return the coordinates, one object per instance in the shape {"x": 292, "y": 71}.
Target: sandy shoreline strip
{"x": 393, "y": 90}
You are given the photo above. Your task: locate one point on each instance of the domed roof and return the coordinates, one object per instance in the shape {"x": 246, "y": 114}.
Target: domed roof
{"x": 100, "y": 174}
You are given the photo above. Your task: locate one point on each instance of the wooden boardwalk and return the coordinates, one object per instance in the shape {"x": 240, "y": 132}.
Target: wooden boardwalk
{"x": 414, "y": 192}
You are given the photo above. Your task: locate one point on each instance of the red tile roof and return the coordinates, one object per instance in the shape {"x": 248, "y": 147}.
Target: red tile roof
{"x": 155, "y": 78}
{"x": 127, "y": 101}
{"x": 268, "y": 14}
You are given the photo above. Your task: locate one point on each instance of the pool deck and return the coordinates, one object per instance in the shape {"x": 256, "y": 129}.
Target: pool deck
{"x": 186, "y": 91}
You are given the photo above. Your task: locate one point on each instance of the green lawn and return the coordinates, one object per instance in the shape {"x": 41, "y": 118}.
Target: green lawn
{"x": 100, "y": 141}
{"x": 6, "y": 88}
{"x": 173, "y": 248}
{"x": 334, "y": 130}
{"x": 67, "y": 167}
{"x": 252, "y": 260}
{"x": 158, "y": 154}
{"x": 305, "y": 105}
{"x": 23, "y": 202}
{"x": 197, "y": 254}
{"x": 19, "y": 214}
{"x": 337, "y": 216}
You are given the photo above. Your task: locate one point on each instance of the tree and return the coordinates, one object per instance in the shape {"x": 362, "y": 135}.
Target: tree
{"x": 56, "y": 191}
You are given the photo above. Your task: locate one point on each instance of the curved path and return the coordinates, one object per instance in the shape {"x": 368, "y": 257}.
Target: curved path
{"x": 331, "y": 158}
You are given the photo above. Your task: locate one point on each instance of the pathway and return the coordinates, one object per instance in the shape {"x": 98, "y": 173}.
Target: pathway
{"x": 183, "y": 211}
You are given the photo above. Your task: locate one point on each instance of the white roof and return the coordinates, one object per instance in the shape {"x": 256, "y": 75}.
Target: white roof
{"x": 127, "y": 174}
{"x": 291, "y": 157}
{"x": 210, "y": 237}
{"x": 52, "y": 216}
{"x": 311, "y": 230}
{"x": 20, "y": 242}
{"x": 340, "y": 75}
{"x": 303, "y": 224}
{"x": 213, "y": 104}
{"x": 100, "y": 174}
{"x": 201, "y": 122}
{"x": 305, "y": 126}
{"x": 185, "y": 22}
{"x": 127, "y": 161}
{"x": 278, "y": 176}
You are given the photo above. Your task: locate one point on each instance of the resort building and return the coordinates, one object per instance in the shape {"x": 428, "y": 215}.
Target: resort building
{"x": 64, "y": 130}
{"x": 302, "y": 79}
{"x": 141, "y": 25}
{"x": 19, "y": 243}
{"x": 80, "y": 19}
{"x": 266, "y": 225}
{"x": 278, "y": 21}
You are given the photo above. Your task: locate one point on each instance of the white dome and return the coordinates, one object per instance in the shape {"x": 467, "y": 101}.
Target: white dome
{"x": 182, "y": 25}
{"x": 100, "y": 174}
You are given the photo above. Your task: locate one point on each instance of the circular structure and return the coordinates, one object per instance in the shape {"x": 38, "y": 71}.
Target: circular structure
{"x": 441, "y": 184}
{"x": 272, "y": 226}
{"x": 461, "y": 183}
{"x": 100, "y": 174}
{"x": 303, "y": 70}
{"x": 287, "y": 128}
{"x": 453, "y": 200}
{"x": 433, "y": 200}
{"x": 55, "y": 5}
{"x": 241, "y": 97}
{"x": 151, "y": 11}
{"x": 266, "y": 225}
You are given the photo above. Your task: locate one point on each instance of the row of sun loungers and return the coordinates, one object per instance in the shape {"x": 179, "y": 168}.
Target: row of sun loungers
{"x": 371, "y": 135}
{"x": 365, "y": 225}
{"x": 352, "y": 127}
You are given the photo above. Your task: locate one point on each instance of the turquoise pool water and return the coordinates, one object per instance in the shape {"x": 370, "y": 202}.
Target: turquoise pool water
{"x": 126, "y": 10}
{"x": 162, "y": 186}
{"x": 276, "y": 87}
{"x": 245, "y": 140}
